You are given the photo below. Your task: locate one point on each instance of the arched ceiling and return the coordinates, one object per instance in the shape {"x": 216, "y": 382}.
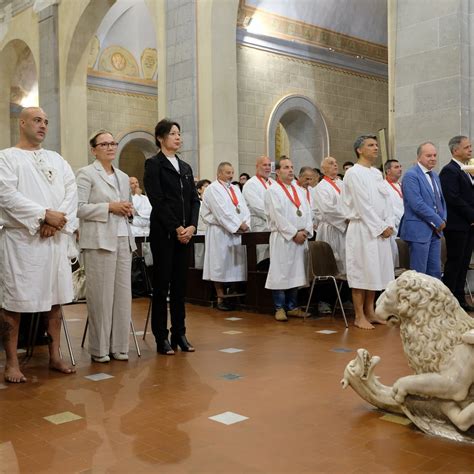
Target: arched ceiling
{"x": 364, "y": 19}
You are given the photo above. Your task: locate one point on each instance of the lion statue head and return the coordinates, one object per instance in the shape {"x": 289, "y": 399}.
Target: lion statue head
{"x": 430, "y": 318}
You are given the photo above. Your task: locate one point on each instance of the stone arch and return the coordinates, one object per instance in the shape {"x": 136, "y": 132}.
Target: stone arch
{"x": 305, "y": 127}
{"x": 11, "y": 54}
{"x": 134, "y": 148}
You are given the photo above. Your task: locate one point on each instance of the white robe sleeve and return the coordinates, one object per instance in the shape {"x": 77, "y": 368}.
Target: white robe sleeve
{"x": 275, "y": 208}
{"x": 222, "y": 210}
{"x": 328, "y": 208}
{"x": 354, "y": 188}
{"x": 254, "y": 199}
{"x": 23, "y": 210}
{"x": 89, "y": 211}
{"x": 69, "y": 204}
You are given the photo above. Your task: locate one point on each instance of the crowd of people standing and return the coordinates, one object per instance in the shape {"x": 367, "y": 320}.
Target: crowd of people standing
{"x": 45, "y": 209}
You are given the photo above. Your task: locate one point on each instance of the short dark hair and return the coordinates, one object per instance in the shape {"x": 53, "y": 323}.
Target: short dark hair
{"x": 282, "y": 158}
{"x": 96, "y": 135}
{"x": 455, "y": 142}
{"x": 317, "y": 170}
{"x": 347, "y": 163}
{"x": 304, "y": 169}
{"x": 244, "y": 174}
{"x": 163, "y": 128}
{"x": 201, "y": 183}
{"x": 388, "y": 165}
{"x": 359, "y": 142}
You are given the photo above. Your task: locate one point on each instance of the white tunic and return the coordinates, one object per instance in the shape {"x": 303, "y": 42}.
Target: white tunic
{"x": 141, "y": 220}
{"x": 332, "y": 221}
{"x": 254, "y": 192}
{"x": 396, "y": 201}
{"x": 35, "y": 272}
{"x": 225, "y": 259}
{"x": 288, "y": 260}
{"x": 366, "y": 202}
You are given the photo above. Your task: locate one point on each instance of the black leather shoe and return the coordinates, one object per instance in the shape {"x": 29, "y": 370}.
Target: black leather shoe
{"x": 467, "y": 307}
{"x": 182, "y": 342}
{"x": 163, "y": 347}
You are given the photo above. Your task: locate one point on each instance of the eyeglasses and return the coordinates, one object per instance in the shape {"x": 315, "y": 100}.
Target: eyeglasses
{"x": 105, "y": 145}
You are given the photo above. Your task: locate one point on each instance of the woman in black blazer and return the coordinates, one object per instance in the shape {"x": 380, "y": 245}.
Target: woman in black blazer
{"x": 169, "y": 184}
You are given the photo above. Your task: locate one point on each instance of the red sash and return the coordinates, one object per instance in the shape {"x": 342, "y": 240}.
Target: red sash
{"x": 398, "y": 191}
{"x": 295, "y": 199}
{"x": 332, "y": 183}
{"x": 263, "y": 182}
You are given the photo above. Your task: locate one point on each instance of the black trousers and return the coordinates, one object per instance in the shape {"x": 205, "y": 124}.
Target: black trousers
{"x": 459, "y": 246}
{"x": 170, "y": 266}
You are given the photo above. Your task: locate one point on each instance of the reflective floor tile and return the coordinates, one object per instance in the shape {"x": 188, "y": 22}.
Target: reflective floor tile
{"x": 138, "y": 333}
{"x": 232, "y": 332}
{"x": 100, "y": 376}
{"x": 61, "y": 418}
{"x": 231, "y": 350}
{"x": 228, "y": 418}
{"x": 2, "y": 386}
{"x": 73, "y": 320}
{"x": 230, "y": 376}
{"x": 326, "y": 331}
{"x": 341, "y": 349}
{"x": 233, "y": 318}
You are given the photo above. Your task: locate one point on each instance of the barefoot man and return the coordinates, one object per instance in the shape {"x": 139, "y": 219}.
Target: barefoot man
{"x": 38, "y": 205}
{"x": 366, "y": 204}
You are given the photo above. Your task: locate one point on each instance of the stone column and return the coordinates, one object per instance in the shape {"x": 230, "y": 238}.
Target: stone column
{"x": 431, "y": 59}
{"x": 181, "y": 74}
{"x": 48, "y": 84}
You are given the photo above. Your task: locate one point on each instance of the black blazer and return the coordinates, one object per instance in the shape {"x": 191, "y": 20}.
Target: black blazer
{"x": 172, "y": 195}
{"x": 458, "y": 192}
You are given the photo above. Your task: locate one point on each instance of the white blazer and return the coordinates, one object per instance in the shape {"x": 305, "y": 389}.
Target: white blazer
{"x": 97, "y": 230}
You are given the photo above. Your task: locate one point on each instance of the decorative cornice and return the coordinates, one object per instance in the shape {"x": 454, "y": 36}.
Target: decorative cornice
{"x": 122, "y": 92}
{"x": 122, "y": 85}
{"x": 341, "y": 70}
{"x": 293, "y": 30}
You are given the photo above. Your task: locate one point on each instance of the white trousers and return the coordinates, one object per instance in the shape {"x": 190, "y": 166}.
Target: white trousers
{"x": 109, "y": 298}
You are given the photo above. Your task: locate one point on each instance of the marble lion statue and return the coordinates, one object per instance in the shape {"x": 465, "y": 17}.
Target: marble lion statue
{"x": 438, "y": 341}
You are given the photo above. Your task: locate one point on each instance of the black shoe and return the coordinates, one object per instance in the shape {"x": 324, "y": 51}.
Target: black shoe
{"x": 182, "y": 342}
{"x": 163, "y": 347}
{"x": 224, "y": 307}
{"x": 467, "y": 307}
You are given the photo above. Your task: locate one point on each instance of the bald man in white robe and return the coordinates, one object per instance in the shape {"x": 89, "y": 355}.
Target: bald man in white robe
{"x": 225, "y": 212}
{"x": 38, "y": 205}
{"x": 332, "y": 221}
{"x": 254, "y": 193}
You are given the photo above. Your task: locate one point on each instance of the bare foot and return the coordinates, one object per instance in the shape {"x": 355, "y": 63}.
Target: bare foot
{"x": 363, "y": 324}
{"x": 61, "y": 366}
{"x": 377, "y": 321}
{"x": 13, "y": 375}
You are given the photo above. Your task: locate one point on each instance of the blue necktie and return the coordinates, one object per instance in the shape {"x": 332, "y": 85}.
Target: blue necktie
{"x": 439, "y": 205}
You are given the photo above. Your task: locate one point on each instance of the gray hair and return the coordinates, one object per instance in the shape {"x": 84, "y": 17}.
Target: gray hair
{"x": 420, "y": 147}
{"x": 455, "y": 142}
{"x": 360, "y": 141}
{"x": 222, "y": 165}
{"x": 304, "y": 169}
{"x": 388, "y": 165}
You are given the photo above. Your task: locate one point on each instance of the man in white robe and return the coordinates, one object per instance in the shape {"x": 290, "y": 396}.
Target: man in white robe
{"x": 254, "y": 192}
{"x": 142, "y": 210}
{"x": 291, "y": 224}
{"x": 332, "y": 221}
{"x": 366, "y": 202}
{"x": 38, "y": 205}
{"x": 393, "y": 173}
{"x": 306, "y": 177}
{"x": 225, "y": 212}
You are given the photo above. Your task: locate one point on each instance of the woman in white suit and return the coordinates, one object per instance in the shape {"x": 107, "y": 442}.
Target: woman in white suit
{"x": 105, "y": 236}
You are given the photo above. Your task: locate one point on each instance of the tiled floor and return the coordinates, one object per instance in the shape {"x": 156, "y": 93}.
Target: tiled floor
{"x": 156, "y": 413}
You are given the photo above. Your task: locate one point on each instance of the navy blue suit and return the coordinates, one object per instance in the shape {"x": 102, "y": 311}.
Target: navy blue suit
{"x": 423, "y": 214}
{"x": 458, "y": 190}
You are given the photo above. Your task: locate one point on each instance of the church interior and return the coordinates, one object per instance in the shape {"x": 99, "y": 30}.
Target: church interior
{"x": 244, "y": 78}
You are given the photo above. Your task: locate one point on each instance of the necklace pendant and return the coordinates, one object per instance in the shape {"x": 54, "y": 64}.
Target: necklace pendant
{"x": 299, "y": 213}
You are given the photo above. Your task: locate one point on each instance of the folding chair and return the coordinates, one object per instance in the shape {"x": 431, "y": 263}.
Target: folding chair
{"x": 403, "y": 257}
{"x": 323, "y": 267}
{"x": 33, "y": 334}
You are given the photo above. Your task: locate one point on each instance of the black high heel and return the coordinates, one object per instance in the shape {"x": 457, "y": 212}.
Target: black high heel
{"x": 182, "y": 342}
{"x": 163, "y": 347}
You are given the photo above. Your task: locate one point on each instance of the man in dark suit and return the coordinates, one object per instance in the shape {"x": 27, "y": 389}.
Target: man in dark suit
{"x": 458, "y": 190}
{"x": 425, "y": 212}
